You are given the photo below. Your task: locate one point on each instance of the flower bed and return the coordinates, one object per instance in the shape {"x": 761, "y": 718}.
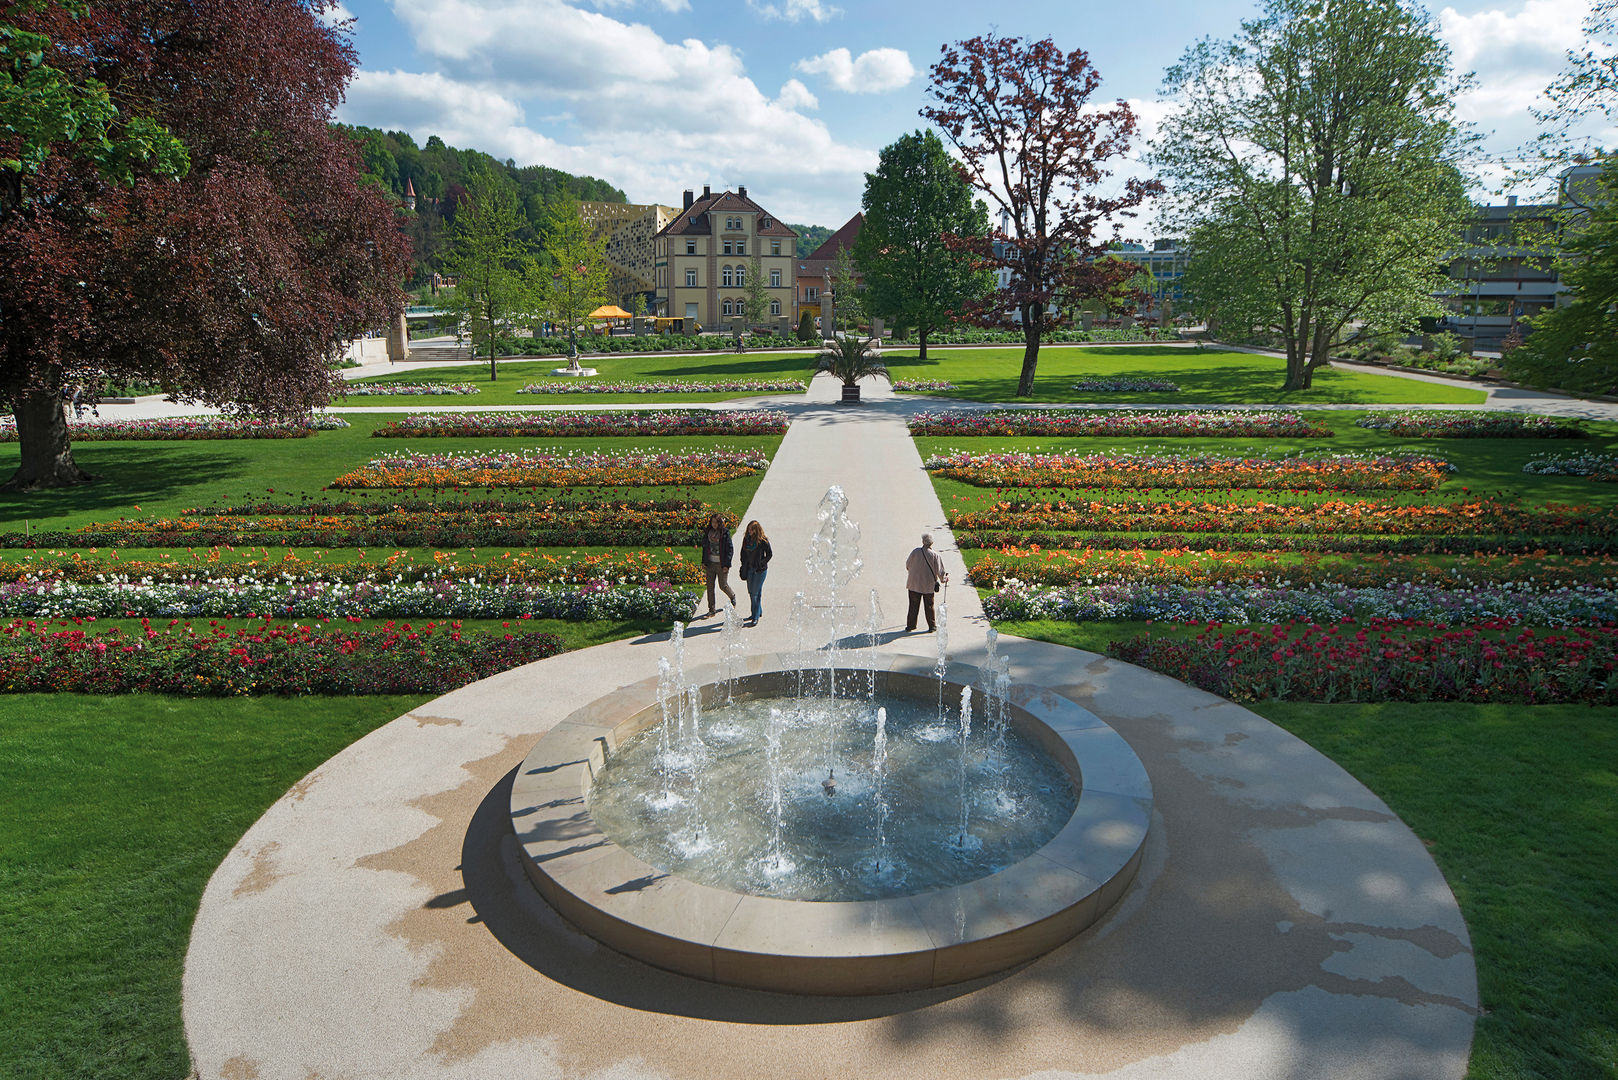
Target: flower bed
{"x": 922, "y": 386}
{"x": 1490, "y": 544}
{"x": 1126, "y": 384}
{"x": 185, "y": 428}
{"x": 250, "y": 596}
{"x": 1361, "y": 516}
{"x": 564, "y": 384}
{"x": 521, "y": 568}
{"x": 587, "y": 424}
{"x": 538, "y": 468}
{"x": 1594, "y": 465}
{"x": 1027, "y": 567}
{"x": 1387, "y": 661}
{"x": 1157, "y": 601}
{"x": 1085, "y": 422}
{"x": 545, "y": 523}
{"x": 1470, "y": 425}
{"x": 1325, "y": 472}
{"x": 63, "y": 657}
{"x": 424, "y": 389}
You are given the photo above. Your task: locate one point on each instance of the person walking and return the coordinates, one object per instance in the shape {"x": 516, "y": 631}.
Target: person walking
{"x": 925, "y": 572}
{"x": 717, "y": 554}
{"x": 756, "y": 555}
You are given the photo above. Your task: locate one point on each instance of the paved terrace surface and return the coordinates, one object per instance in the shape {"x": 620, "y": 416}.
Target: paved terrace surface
{"x": 1285, "y": 924}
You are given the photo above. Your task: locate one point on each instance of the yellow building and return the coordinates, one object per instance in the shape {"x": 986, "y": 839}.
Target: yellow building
{"x": 703, "y": 258}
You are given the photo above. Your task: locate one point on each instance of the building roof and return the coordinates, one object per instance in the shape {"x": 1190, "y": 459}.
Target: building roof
{"x": 694, "y": 220}
{"x": 838, "y": 241}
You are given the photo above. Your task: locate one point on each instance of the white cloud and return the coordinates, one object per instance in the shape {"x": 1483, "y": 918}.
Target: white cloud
{"x": 666, "y": 5}
{"x": 1535, "y": 36}
{"x": 611, "y": 99}
{"x": 874, "y": 72}
{"x": 794, "y": 10}
{"x": 334, "y": 14}
{"x": 795, "y": 95}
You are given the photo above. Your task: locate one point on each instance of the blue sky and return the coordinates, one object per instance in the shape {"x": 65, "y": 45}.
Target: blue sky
{"x": 794, "y": 98}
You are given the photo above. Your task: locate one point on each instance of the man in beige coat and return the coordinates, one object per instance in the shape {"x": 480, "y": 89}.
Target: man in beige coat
{"x": 925, "y": 572}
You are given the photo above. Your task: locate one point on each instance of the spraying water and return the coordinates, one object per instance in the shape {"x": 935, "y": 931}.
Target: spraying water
{"x": 966, "y": 734}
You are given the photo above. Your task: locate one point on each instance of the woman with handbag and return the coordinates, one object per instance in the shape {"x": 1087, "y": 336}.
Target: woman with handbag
{"x": 925, "y": 572}
{"x": 756, "y": 555}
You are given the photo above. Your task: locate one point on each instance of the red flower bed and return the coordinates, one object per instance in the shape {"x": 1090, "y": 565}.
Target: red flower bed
{"x": 215, "y": 661}
{"x": 1386, "y": 660}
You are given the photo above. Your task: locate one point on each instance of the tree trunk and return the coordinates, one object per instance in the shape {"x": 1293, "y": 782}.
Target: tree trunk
{"x": 1030, "y": 356}
{"x": 1298, "y": 375}
{"x": 921, "y": 334}
{"x": 42, "y": 436}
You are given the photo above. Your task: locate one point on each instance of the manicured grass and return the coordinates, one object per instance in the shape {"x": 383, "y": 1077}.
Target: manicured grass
{"x": 1520, "y": 809}
{"x": 114, "y": 812}
{"x": 1204, "y": 375}
{"x": 158, "y": 479}
{"x": 612, "y": 367}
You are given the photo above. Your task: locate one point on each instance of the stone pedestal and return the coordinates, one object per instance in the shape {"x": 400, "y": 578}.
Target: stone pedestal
{"x": 398, "y": 340}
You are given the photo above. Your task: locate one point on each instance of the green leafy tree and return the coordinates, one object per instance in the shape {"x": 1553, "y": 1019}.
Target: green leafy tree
{"x": 487, "y": 260}
{"x": 1314, "y": 163}
{"x": 848, "y": 306}
{"x": 915, "y": 199}
{"x": 806, "y": 326}
{"x": 1590, "y": 79}
{"x": 1130, "y": 284}
{"x": 1575, "y": 347}
{"x": 756, "y": 293}
{"x": 578, "y": 268}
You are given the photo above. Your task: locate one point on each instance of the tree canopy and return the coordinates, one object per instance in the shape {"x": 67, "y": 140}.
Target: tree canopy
{"x": 1021, "y": 117}
{"x": 486, "y": 259}
{"x": 912, "y": 202}
{"x": 234, "y": 283}
{"x": 1314, "y": 164}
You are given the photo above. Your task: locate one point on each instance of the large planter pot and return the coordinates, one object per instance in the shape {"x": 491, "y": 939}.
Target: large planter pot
{"x": 851, "y": 393}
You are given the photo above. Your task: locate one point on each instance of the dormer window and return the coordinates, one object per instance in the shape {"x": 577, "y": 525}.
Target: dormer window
{"x": 764, "y": 224}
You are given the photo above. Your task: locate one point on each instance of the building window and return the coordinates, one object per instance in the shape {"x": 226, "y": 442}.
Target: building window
{"x": 775, "y": 307}
{"x": 660, "y": 277}
{"x": 690, "y": 247}
{"x": 741, "y": 277}
{"x": 727, "y": 309}
{"x": 765, "y": 224}
{"x": 725, "y": 278}
{"x": 775, "y": 279}
{"x": 741, "y": 247}
{"x": 775, "y": 247}
{"x": 727, "y": 247}
{"x": 690, "y": 279}
{"x": 811, "y": 294}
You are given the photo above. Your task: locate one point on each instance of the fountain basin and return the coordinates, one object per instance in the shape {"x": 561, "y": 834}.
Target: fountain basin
{"x": 885, "y": 945}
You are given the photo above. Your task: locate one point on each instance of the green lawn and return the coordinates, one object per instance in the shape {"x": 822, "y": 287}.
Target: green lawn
{"x": 1520, "y": 809}
{"x": 114, "y": 812}
{"x": 161, "y": 478}
{"x": 1204, "y": 375}
{"x": 613, "y": 367}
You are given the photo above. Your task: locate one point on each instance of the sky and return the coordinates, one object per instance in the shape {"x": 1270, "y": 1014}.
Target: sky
{"x": 794, "y": 98}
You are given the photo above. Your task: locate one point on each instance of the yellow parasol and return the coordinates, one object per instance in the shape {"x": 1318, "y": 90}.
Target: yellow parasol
{"x": 610, "y": 311}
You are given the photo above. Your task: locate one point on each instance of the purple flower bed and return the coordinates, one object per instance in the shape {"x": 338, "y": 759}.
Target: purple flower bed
{"x": 1126, "y": 384}
{"x": 922, "y": 386}
{"x": 382, "y": 389}
{"x": 572, "y": 385}
{"x": 1079, "y": 422}
{"x": 585, "y": 424}
{"x": 1471, "y": 425}
{"x": 185, "y": 428}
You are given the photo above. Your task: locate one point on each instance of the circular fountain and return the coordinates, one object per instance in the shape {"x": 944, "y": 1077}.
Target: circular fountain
{"x": 835, "y": 820}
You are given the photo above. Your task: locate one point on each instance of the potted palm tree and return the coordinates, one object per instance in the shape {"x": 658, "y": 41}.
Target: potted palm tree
{"x": 851, "y": 358}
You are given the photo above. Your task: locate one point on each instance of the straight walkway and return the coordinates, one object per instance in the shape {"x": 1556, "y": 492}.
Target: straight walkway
{"x": 374, "y": 922}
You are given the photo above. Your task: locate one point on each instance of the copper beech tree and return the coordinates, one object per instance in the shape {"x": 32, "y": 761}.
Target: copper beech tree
{"x": 230, "y": 250}
{"x": 1020, "y": 116}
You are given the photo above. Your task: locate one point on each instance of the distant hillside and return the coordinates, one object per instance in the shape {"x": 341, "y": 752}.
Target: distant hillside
{"x": 437, "y": 172}
{"x": 810, "y": 237}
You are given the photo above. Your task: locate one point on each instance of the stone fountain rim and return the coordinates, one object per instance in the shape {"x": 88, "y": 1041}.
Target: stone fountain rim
{"x": 836, "y": 947}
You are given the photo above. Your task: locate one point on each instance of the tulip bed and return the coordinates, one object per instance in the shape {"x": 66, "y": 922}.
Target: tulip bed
{"x": 423, "y": 389}
{"x": 922, "y": 386}
{"x": 1389, "y": 660}
{"x": 539, "y": 468}
{"x": 587, "y": 424}
{"x": 573, "y": 385}
{"x": 179, "y": 658}
{"x": 1596, "y": 466}
{"x": 1468, "y": 424}
{"x": 1127, "y": 384}
{"x": 1087, "y": 422}
{"x": 1167, "y": 471}
{"x": 187, "y": 428}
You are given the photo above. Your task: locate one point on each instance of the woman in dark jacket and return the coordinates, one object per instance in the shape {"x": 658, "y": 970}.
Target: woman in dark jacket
{"x": 756, "y": 555}
{"x": 718, "y": 552}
